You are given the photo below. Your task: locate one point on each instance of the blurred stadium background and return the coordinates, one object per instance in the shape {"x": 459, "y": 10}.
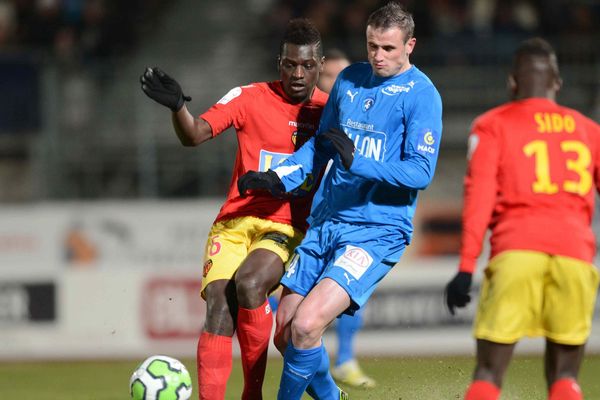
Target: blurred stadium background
{"x": 103, "y": 214}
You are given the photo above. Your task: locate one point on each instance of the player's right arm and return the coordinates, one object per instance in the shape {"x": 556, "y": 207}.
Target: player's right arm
{"x": 165, "y": 90}
{"x": 480, "y": 188}
{"x": 190, "y": 131}
{"x": 479, "y": 201}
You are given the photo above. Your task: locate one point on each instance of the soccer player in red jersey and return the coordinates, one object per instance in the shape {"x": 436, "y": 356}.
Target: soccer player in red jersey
{"x": 533, "y": 170}
{"x": 252, "y": 236}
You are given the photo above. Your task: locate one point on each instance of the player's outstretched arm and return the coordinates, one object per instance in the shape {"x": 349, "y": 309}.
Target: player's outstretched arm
{"x": 165, "y": 90}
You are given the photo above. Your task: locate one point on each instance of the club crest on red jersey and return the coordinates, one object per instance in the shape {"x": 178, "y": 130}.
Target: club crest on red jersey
{"x": 299, "y": 138}
{"x": 207, "y": 266}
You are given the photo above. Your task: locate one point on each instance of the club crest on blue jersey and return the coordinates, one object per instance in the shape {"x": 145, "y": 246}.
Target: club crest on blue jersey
{"x": 428, "y": 142}
{"x": 368, "y": 103}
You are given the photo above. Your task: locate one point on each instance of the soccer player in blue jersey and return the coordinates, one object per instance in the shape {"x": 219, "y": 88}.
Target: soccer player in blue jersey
{"x": 382, "y": 127}
{"x": 346, "y": 368}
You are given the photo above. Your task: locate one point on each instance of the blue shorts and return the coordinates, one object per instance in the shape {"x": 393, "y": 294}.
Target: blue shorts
{"x": 357, "y": 257}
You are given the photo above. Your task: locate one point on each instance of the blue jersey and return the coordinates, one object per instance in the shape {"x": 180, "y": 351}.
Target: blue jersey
{"x": 396, "y": 126}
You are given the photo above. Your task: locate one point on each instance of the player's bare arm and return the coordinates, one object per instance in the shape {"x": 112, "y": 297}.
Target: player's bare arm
{"x": 190, "y": 131}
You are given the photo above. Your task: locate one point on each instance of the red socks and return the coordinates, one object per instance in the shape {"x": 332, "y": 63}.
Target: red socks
{"x": 565, "y": 389}
{"x": 253, "y": 332}
{"x": 562, "y": 389}
{"x": 214, "y": 365}
{"x": 482, "y": 390}
{"x": 214, "y": 357}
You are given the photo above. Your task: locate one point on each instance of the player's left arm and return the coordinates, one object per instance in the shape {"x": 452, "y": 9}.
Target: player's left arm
{"x": 424, "y": 131}
{"x": 595, "y": 128}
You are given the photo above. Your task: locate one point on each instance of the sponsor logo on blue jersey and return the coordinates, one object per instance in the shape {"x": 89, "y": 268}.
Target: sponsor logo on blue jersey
{"x": 393, "y": 90}
{"x": 426, "y": 142}
{"x": 351, "y": 95}
{"x": 368, "y": 103}
{"x": 370, "y": 144}
{"x": 367, "y": 141}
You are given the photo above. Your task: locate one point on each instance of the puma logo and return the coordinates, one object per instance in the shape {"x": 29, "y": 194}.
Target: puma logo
{"x": 348, "y": 278}
{"x": 351, "y": 95}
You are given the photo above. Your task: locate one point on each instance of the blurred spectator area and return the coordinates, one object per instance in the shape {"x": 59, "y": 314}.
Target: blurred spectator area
{"x": 20, "y": 100}
{"x": 74, "y": 123}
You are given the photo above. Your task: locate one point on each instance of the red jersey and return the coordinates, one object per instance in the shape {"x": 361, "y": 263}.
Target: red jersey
{"x": 533, "y": 167}
{"x": 269, "y": 128}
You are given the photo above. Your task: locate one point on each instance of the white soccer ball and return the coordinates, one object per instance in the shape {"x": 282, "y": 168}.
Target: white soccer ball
{"x": 160, "y": 378}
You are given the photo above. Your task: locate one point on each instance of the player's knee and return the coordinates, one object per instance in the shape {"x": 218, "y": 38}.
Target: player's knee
{"x": 305, "y": 329}
{"x": 251, "y": 292}
{"x": 250, "y": 285}
{"x": 247, "y": 284}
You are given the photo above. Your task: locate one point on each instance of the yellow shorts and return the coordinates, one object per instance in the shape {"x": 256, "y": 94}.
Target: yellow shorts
{"x": 230, "y": 241}
{"x": 529, "y": 293}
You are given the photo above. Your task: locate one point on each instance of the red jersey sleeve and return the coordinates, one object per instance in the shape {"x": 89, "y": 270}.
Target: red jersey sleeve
{"x": 480, "y": 187}
{"x": 230, "y": 110}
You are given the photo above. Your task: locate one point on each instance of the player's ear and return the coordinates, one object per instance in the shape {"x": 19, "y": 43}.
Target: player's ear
{"x": 558, "y": 83}
{"x": 321, "y": 64}
{"x": 410, "y": 45}
{"x": 278, "y": 63}
{"x": 511, "y": 84}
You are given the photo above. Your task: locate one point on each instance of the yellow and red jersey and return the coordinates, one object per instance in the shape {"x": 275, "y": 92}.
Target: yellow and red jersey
{"x": 533, "y": 167}
{"x": 269, "y": 129}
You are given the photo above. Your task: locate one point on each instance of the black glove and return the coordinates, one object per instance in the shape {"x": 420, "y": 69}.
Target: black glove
{"x": 163, "y": 89}
{"x": 341, "y": 143}
{"x": 253, "y": 180}
{"x": 457, "y": 291}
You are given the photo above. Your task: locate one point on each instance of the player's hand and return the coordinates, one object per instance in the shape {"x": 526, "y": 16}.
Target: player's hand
{"x": 341, "y": 143}
{"x": 163, "y": 89}
{"x": 457, "y": 291}
{"x": 253, "y": 180}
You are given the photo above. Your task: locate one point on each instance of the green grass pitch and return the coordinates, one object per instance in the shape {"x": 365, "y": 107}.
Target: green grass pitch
{"x": 411, "y": 378}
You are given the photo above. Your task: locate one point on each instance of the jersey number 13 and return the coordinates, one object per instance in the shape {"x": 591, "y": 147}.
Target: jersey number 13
{"x": 579, "y": 165}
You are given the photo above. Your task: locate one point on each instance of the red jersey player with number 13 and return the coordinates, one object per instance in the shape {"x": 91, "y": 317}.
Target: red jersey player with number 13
{"x": 534, "y": 167}
{"x": 253, "y": 236}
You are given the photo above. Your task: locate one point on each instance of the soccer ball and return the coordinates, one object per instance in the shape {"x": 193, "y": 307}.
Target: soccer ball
{"x": 160, "y": 378}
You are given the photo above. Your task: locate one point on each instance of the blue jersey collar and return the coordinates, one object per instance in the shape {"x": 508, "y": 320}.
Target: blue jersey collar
{"x": 378, "y": 80}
